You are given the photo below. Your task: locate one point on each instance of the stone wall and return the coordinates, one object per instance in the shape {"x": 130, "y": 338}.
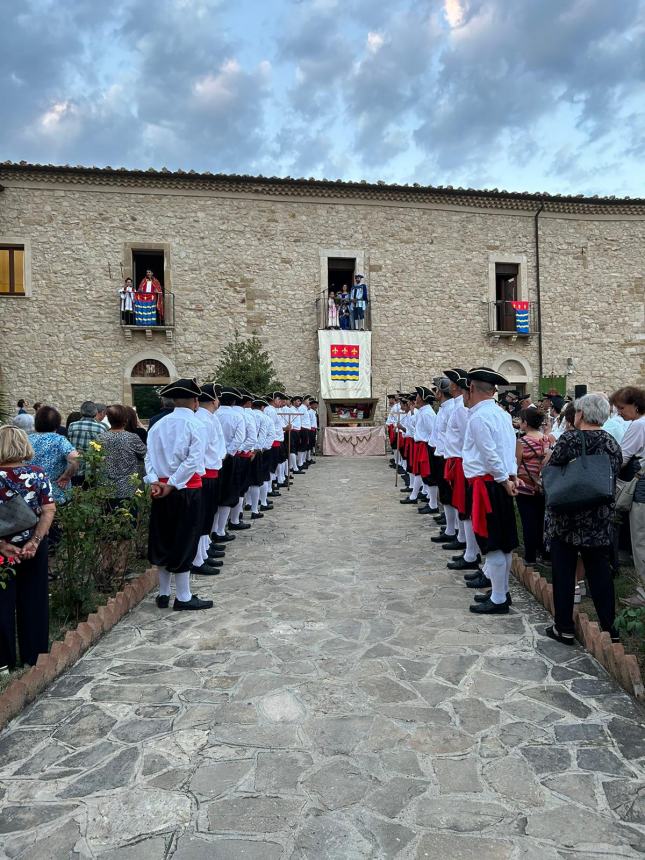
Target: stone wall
{"x": 253, "y": 264}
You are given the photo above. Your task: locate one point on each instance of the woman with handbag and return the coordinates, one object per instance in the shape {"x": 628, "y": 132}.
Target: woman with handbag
{"x": 630, "y": 404}
{"x": 530, "y": 453}
{"x": 27, "y": 510}
{"x": 583, "y": 522}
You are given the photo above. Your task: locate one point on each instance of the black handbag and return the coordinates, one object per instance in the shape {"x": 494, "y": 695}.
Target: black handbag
{"x": 586, "y": 482}
{"x": 16, "y": 516}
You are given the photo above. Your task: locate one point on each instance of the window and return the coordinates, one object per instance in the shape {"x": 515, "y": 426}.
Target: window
{"x": 12, "y": 270}
{"x": 506, "y": 292}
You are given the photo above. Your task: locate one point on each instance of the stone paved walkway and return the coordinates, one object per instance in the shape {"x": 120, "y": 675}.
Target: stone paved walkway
{"x": 339, "y": 702}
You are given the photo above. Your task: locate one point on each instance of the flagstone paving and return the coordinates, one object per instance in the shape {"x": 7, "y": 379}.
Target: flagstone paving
{"x": 339, "y": 702}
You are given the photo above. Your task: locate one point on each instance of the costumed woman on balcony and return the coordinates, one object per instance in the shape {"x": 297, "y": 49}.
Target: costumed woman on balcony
{"x": 148, "y": 302}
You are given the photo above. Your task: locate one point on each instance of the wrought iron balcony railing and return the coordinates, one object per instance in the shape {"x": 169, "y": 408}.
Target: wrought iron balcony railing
{"x": 511, "y": 318}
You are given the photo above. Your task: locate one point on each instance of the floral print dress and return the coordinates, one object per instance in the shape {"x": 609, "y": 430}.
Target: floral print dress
{"x": 32, "y": 483}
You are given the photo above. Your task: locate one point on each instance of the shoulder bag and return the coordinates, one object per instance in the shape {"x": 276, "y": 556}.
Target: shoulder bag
{"x": 586, "y": 482}
{"x": 16, "y": 516}
{"x": 625, "y": 492}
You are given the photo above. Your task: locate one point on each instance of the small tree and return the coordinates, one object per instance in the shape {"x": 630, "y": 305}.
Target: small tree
{"x": 246, "y": 364}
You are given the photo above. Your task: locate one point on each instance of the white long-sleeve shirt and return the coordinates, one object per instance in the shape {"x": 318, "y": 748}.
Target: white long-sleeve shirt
{"x": 265, "y": 434}
{"x": 213, "y": 439}
{"x": 489, "y": 443}
{"x": 453, "y": 439}
{"x": 233, "y": 427}
{"x": 287, "y": 412}
{"x": 305, "y": 421}
{"x": 278, "y": 427}
{"x": 313, "y": 419}
{"x": 176, "y": 448}
{"x": 438, "y": 432}
{"x": 250, "y": 442}
{"x": 424, "y": 423}
{"x": 393, "y": 414}
{"x": 410, "y": 423}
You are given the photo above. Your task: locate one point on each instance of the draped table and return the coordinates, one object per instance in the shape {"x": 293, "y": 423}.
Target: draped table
{"x": 354, "y": 441}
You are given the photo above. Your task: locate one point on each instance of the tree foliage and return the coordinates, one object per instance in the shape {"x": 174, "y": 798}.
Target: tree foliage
{"x": 246, "y": 364}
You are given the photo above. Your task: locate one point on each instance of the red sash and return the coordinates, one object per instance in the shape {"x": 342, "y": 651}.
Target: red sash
{"x": 481, "y": 503}
{"x": 422, "y": 459}
{"x": 245, "y": 454}
{"x": 194, "y": 483}
{"x": 276, "y": 444}
{"x": 454, "y": 474}
{"x": 211, "y": 473}
{"x": 391, "y": 431}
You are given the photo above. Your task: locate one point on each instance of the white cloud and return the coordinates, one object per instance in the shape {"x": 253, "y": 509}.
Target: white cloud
{"x": 374, "y": 42}
{"x": 52, "y": 120}
{"x": 454, "y": 12}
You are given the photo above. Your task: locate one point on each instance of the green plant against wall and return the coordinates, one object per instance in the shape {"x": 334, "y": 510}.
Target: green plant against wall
{"x": 246, "y": 364}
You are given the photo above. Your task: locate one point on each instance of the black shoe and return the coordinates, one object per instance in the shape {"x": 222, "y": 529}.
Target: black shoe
{"x": 456, "y": 544}
{"x": 239, "y": 527}
{"x": 408, "y": 501}
{"x": 193, "y": 603}
{"x": 215, "y": 551}
{"x": 274, "y": 494}
{"x": 206, "y": 569}
{"x": 462, "y": 564}
{"x": 489, "y": 608}
{"x": 392, "y": 465}
{"x": 257, "y": 516}
{"x": 226, "y": 538}
{"x": 282, "y": 485}
{"x": 440, "y": 520}
{"x": 247, "y": 507}
{"x": 426, "y": 509}
{"x": 442, "y": 537}
{"x": 214, "y": 562}
{"x": 482, "y": 598}
{"x": 162, "y": 601}
{"x": 481, "y": 581}
{"x": 401, "y": 471}
{"x": 404, "y": 490}
{"x": 552, "y": 633}
{"x": 266, "y": 507}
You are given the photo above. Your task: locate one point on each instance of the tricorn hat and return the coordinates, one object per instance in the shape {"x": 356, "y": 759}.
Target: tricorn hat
{"x": 180, "y": 389}
{"x": 228, "y": 395}
{"x": 424, "y": 393}
{"x": 442, "y": 383}
{"x": 486, "y": 374}
{"x": 258, "y": 403}
{"x": 208, "y": 393}
{"x": 455, "y": 374}
{"x": 462, "y": 382}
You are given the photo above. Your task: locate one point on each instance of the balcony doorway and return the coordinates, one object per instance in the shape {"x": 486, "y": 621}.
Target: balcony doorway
{"x": 144, "y": 260}
{"x": 506, "y": 292}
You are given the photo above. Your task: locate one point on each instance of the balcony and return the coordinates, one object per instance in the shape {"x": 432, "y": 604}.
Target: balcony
{"x": 328, "y": 318}
{"x": 512, "y": 319}
{"x": 146, "y": 317}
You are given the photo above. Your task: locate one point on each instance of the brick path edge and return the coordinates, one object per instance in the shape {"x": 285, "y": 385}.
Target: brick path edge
{"x": 622, "y": 667}
{"x": 64, "y": 653}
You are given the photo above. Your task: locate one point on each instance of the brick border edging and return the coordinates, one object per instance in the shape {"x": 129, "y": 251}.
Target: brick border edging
{"x": 65, "y": 652}
{"x": 622, "y": 667}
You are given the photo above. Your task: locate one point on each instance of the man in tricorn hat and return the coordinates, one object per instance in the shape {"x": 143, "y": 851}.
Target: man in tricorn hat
{"x": 276, "y": 400}
{"x": 174, "y": 466}
{"x": 208, "y": 560}
{"x": 448, "y": 536}
{"x": 491, "y": 471}
{"x": 231, "y": 477}
{"x": 394, "y": 409}
{"x": 423, "y": 425}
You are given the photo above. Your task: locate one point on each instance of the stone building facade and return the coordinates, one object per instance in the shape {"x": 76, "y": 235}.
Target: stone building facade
{"x": 253, "y": 254}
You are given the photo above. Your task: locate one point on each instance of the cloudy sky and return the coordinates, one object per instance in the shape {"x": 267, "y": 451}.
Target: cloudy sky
{"x": 537, "y": 95}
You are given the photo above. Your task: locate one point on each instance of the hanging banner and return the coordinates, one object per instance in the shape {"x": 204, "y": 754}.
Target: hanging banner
{"x": 345, "y": 359}
{"x": 521, "y": 317}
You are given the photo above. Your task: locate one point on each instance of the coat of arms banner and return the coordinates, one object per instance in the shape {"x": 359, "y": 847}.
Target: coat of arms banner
{"x": 345, "y": 364}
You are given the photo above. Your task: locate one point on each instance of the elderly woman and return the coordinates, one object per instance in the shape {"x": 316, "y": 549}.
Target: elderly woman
{"x": 23, "y": 421}
{"x": 25, "y": 598}
{"x": 123, "y": 453}
{"x": 52, "y": 452}
{"x": 630, "y": 403}
{"x": 587, "y": 531}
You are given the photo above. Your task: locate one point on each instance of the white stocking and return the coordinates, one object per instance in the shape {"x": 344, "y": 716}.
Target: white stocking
{"x": 182, "y": 586}
{"x": 433, "y": 495}
{"x": 199, "y": 557}
{"x": 472, "y": 548}
{"x": 164, "y": 582}
{"x": 496, "y": 572}
{"x": 254, "y": 495}
{"x": 264, "y": 490}
{"x": 451, "y": 519}
{"x": 417, "y": 483}
{"x": 293, "y": 462}
{"x": 236, "y": 511}
{"x": 461, "y": 533}
{"x": 223, "y": 513}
